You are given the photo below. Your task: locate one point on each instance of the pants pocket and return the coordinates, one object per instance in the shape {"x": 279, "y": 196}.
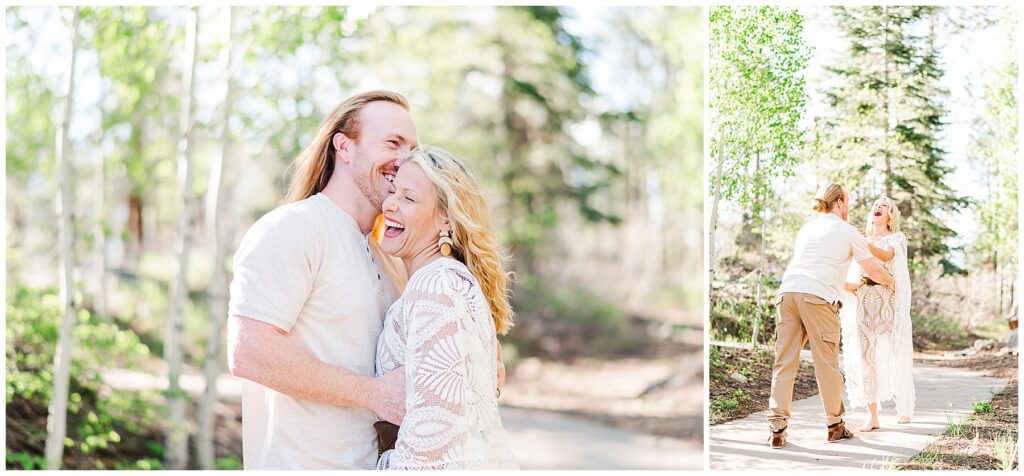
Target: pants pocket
{"x": 814, "y": 299}
{"x": 811, "y": 299}
{"x": 831, "y": 341}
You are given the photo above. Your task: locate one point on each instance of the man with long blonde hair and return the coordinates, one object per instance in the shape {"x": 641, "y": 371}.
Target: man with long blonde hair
{"x": 808, "y": 310}
{"x": 308, "y": 297}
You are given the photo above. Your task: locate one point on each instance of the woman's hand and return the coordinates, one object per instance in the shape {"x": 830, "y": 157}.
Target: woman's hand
{"x": 852, "y": 287}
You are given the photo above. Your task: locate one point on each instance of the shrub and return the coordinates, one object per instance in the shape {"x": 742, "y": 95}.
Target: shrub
{"x": 567, "y": 322}
{"x": 101, "y": 424}
{"x": 734, "y": 308}
{"x": 939, "y": 332}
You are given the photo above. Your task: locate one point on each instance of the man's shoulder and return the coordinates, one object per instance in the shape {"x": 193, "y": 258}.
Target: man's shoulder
{"x": 832, "y": 222}
{"x": 291, "y": 220}
{"x": 822, "y": 222}
{"x": 302, "y": 210}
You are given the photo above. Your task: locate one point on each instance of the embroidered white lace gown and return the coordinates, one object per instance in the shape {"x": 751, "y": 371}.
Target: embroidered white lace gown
{"x": 441, "y": 331}
{"x": 878, "y": 348}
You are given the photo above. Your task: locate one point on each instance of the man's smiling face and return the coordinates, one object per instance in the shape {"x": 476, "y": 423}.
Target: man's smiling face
{"x": 386, "y": 135}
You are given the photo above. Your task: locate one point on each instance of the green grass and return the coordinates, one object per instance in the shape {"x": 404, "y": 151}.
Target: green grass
{"x": 982, "y": 407}
{"x": 956, "y": 430}
{"x": 716, "y": 364}
{"x": 727, "y": 404}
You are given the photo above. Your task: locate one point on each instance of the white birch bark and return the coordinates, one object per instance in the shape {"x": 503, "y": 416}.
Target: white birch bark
{"x": 56, "y": 420}
{"x": 217, "y": 291}
{"x": 99, "y": 234}
{"x": 713, "y": 220}
{"x": 176, "y": 449}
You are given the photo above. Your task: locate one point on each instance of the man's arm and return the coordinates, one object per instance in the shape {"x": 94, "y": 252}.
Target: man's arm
{"x": 266, "y": 355}
{"x": 861, "y": 249}
{"x": 877, "y": 272}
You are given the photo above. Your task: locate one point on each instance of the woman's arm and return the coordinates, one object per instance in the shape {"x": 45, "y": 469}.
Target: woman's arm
{"x": 435, "y": 373}
{"x": 851, "y": 287}
{"x": 884, "y": 254}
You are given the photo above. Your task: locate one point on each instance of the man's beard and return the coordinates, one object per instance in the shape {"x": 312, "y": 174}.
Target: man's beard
{"x": 364, "y": 183}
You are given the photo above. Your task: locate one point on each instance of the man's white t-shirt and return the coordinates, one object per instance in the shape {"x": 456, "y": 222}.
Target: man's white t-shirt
{"x": 306, "y": 268}
{"x": 822, "y": 256}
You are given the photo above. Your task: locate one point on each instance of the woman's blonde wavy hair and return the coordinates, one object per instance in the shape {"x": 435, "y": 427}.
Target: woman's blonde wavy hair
{"x": 461, "y": 198}
{"x": 893, "y": 215}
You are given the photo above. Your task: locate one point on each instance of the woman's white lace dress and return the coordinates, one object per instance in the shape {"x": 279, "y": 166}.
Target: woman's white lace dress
{"x": 442, "y": 333}
{"x": 878, "y": 348}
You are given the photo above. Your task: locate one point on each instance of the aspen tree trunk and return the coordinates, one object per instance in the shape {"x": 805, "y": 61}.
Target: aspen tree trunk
{"x": 176, "y": 452}
{"x": 889, "y": 106}
{"x": 100, "y": 234}
{"x": 713, "y": 219}
{"x": 217, "y": 293}
{"x": 56, "y": 420}
{"x": 760, "y": 262}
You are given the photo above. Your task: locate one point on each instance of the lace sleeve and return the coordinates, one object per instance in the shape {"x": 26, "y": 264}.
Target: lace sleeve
{"x": 433, "y": 432}
{"x": 903, "y": 340}
{"x": 850, "y": 341}
{"x": 901, "y": 271}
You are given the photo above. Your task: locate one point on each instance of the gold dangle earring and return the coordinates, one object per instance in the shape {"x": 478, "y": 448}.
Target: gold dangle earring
{"x": 445, "y": 243}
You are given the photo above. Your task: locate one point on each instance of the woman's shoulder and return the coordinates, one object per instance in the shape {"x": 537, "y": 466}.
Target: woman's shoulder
{"x": 898, "y": 236}
{"x": 442, "y": 276}
{"x": 441, "y": 287}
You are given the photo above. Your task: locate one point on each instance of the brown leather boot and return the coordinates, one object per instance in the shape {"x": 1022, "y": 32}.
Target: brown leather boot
{"x": 778, "y": 439}
{"x": 838, "y": 432}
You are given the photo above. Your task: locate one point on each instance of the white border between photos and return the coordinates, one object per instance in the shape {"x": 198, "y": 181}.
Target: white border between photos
{"x": 706, "y": 169}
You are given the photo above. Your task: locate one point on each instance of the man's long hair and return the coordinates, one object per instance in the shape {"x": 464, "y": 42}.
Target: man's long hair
{"x": 827, "y": 197}
{"x": 312, "y": 169}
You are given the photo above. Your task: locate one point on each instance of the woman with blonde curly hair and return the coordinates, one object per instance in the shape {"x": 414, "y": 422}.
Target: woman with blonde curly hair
{"x": 878, "y": 349}
{"x": 443, "y": 329}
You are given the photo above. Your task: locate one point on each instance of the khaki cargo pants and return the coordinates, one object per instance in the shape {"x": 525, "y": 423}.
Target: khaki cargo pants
{"x": 805, "y": 317}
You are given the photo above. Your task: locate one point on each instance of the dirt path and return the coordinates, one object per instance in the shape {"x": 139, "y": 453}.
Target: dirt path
{"x": 540, "y": 439}
{"x": 944, "y": 396}
{"x": 550, "y": 440}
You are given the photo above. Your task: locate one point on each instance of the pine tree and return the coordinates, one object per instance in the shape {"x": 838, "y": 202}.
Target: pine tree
{"x": 887, "y": 120}
{"x": 540, "y": 98}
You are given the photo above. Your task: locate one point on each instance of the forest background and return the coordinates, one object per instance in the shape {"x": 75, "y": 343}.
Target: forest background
{"x": 143, "y": 142}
